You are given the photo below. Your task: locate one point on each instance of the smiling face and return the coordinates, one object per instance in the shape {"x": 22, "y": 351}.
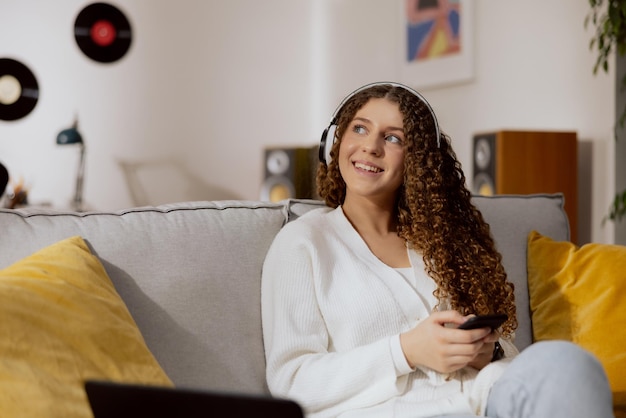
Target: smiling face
{"x": 371, "y": 153}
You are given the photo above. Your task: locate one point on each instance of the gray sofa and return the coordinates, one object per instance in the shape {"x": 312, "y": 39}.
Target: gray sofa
{"x": 190, "y": 272}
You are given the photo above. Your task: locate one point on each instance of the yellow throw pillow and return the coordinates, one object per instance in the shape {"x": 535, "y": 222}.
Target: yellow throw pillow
{"x": 578, "y": 294}
{"x": 61, "y": 323}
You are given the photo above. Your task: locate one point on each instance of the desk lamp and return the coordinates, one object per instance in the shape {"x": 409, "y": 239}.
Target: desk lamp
{"x": 71, "y": 136}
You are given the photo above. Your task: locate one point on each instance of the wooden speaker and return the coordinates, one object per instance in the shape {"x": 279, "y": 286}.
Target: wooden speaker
{"x": 527, "y": 162}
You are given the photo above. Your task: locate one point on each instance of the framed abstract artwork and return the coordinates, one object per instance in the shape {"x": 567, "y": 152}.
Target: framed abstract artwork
{"x": 436, "y": 42}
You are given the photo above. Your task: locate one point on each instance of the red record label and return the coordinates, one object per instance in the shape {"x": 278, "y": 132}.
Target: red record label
{"x": 103, "y": 33}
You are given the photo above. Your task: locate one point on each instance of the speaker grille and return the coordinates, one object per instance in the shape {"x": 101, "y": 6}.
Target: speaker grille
{"x": 484, "y": 179}
{"x": 289, "y": 173}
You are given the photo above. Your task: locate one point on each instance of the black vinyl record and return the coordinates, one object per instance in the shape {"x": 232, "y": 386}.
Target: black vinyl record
{"x": 102, "y": 32}
{"x": 19, "y": 90}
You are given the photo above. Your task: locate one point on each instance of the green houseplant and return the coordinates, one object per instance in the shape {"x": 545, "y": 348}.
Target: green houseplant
{"x": 609, "y": 20}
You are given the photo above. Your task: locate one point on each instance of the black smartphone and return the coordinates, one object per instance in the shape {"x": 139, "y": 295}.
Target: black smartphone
{"x": 484, "y": 321}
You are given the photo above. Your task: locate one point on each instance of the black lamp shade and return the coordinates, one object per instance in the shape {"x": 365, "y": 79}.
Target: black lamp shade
{"x": 69, "y": 136}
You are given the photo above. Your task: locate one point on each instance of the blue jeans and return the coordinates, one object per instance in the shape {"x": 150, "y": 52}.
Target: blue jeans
{"x": 551, "y": 379}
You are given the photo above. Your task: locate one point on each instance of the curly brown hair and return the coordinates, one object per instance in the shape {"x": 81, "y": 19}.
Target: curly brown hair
{"x": 435, "y": 214}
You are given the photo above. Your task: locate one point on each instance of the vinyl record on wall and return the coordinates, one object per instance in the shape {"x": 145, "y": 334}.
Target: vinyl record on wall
{"x": 102, "y": 32}
{"x": 19, "y": 90}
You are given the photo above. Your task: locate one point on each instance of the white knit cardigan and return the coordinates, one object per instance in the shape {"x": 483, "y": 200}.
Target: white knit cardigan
{"x": 332, "y": 313}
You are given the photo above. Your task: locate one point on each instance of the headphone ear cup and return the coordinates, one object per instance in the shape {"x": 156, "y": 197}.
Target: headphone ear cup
{"x": 321, "y": 153}
{"x": 326, "y": 144}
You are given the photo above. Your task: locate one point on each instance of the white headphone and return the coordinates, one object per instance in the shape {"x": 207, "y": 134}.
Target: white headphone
{"x": 328, "y": 137}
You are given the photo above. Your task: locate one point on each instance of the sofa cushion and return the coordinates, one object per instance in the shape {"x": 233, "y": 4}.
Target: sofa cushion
{"x": 63, "y": 323}
{"x": 577, "y": 294}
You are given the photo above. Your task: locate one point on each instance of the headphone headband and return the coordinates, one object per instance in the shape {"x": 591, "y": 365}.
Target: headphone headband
{"x": 328, "y": 137}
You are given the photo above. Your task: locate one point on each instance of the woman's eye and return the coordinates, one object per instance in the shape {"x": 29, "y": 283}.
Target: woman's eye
{"x": 394, "y": 139}
{"x": 359, "y": 129}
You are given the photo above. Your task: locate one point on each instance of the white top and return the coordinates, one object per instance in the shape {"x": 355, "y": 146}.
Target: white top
{"x": 332, "y": 314}
{"x": 424, "y": 287}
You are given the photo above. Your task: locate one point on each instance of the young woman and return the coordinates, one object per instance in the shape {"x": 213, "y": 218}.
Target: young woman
{"x": 362, "y": 300}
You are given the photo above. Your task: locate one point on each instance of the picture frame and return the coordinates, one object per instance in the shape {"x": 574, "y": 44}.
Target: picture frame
{"x": 436, "y": 45}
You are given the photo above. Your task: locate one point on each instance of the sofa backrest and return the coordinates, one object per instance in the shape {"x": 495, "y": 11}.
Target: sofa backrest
{"x": 511, "y": 219}
{"x": 190, "y": 272}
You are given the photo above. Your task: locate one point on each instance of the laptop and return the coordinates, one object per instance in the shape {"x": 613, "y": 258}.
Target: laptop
{"x": 122, "y": 400}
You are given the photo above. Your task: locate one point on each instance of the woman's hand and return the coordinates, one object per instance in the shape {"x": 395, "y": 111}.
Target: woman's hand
{"x": 485, "y": 354}
{"x": 447, "y": 349}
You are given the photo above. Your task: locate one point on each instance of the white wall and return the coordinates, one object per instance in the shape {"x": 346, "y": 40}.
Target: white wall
{"x": 211, "y": 83}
